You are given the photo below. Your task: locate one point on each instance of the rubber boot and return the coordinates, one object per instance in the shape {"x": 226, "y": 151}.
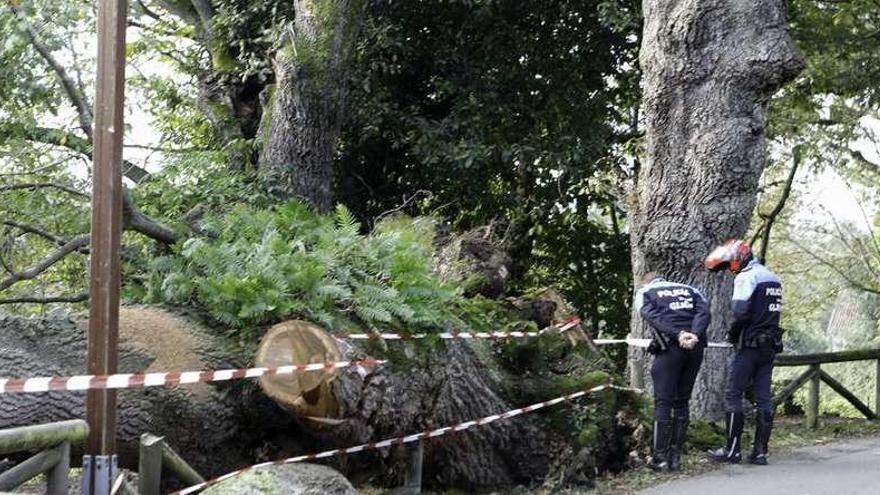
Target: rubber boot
{"x": 731, "y": 452}
{"x": 679, "y": 429}
{"x": 763, "y": 428}
{"x": 660, "y": 448}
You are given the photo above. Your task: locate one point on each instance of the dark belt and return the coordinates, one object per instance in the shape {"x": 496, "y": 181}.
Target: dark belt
{"x": 762, "y": 340}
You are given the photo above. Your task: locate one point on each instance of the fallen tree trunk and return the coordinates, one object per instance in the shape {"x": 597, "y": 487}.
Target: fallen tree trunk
{"x": 216, "y": 428}
{"x": 428, "y": 384}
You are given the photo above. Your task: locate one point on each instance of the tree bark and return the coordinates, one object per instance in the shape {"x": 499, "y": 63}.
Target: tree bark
{"x": 304, "y": 109}
{"x": 709, "y": 67}
{"x": 216, "y": 428}
{"x": 424, "y": 390}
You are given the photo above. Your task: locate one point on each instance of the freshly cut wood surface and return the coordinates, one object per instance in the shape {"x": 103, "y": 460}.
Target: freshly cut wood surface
{"x": 300, "y": 342}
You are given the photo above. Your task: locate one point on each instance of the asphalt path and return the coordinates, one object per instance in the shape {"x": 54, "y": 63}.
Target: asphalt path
{"x": 850, "y": 467}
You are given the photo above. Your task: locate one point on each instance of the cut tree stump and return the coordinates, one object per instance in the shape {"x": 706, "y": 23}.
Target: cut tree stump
{"x": 308, "y": 394}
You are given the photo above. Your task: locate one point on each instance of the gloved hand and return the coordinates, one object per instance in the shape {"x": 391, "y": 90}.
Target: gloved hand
{"x": 687, "y": 340}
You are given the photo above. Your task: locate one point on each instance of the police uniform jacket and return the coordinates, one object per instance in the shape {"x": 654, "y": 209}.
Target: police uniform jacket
{"x": 757, "y": 303}
{"x": 671, "y": 308}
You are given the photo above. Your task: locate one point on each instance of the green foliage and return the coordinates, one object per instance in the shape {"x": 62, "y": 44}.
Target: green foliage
{"x": 452, "y": 98}
{"x": 703, "y": 435}
{"x": 246, "y": 31}
{"x": 267, "y": 264}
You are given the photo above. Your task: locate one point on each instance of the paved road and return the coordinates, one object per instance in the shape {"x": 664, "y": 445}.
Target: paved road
{"x": 843, "y": 468}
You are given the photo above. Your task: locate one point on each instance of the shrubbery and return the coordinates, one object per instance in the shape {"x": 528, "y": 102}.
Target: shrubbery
{"x": 257, "y": 266}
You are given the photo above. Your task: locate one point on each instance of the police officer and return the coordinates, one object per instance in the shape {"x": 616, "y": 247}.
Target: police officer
{"x": 678, "y": 315}
{"x": 757, "y": 303}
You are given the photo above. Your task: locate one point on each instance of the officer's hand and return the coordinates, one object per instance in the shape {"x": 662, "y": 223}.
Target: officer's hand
{"x": 687, "y": 340}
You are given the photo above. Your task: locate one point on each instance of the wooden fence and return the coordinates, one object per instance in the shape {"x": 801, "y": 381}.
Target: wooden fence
{"x": 53, "y": 440}
{"x": 814, "y": 374}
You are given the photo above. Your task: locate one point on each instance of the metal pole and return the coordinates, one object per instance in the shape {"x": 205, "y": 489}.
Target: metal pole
{"x": 105, "y": 241}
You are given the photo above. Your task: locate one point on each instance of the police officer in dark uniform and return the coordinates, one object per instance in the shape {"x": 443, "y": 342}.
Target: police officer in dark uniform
{"x": 678, "y": 315}
{"x": 757, "y": 305}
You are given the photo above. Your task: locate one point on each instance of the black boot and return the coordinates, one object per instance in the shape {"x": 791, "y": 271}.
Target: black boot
{"x": 679, "y": 429}
{"x": 730, "y": 453}
{"x": 660, "y": 448}
{"x": 763, "y": 427}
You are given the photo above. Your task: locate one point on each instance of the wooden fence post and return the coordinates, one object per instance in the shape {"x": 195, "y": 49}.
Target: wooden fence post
{"x": 43, "y": 462}
{"x": 150, "y": 465}
{"x": 414, "y": 470}
{"x": 877, "y": 391}
{"x": 57, "y": 480}
{"x": 813, "y": 402}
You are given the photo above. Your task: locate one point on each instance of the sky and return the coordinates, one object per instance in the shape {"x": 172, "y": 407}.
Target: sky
{"x": 831, "y": 194}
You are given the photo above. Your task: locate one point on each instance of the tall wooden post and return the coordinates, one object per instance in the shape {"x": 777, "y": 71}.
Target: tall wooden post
{"x": 105, "y": 242}
{"x": 813, "y": 399}
{"x": 877, "y": 391}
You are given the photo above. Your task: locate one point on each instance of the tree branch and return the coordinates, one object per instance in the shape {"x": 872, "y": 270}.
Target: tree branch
{"x": 46, "y": 299}
{"x": 79, "y": 100}
{"x": 166, "y": 150}
{"x": 134, "y": 219}
{"x": 64, "y": 139}
{"x": 182, "y": 9}
{"x": 30, "y": 229}
{"x": 44, "y": 185}
{"x": 47, "y": 135}
{"x": 205, "y": 11}
{"x": 33, "y": 271}
{"x": 149, "y": 12}
{"x": 770, "y": 218}
{"x": 853, "y": 283}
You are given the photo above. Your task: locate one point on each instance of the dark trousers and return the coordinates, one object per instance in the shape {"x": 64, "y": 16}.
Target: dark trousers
{"x": 751, "y": 367}
{"x": 674, "y": 372}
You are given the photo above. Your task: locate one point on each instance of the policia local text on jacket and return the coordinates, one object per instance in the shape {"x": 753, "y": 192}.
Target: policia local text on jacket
{"x": 757, "y": 305}
{"x": 671, "y": 309}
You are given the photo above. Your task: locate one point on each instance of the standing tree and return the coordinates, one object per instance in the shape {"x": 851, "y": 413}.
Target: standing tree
{"x": 304, "y": 115}
{"x": 709, "y": 69}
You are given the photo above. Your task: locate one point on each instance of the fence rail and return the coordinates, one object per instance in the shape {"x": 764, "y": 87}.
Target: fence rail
{"x": 53, "y": 440}
{"x": 156, "y": 455}
{"x": 815, "y": 374}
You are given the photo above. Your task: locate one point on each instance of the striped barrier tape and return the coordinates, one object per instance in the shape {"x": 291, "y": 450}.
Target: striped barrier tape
{"x": 406, "y": 438}
{"x": 141, "y": 380}
{"x": 464, "y": 335}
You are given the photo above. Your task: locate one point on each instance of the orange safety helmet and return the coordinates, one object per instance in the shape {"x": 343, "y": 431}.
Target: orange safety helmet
{"x": 733, "y": 255}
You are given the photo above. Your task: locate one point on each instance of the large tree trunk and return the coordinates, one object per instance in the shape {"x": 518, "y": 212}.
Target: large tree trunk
{"x": 303, "y": 110}
{"x": 429, "y": 389}
{"x": 709, "y": 68}
{"x": 216, "y": 428}
{"x": 228, "y": 425}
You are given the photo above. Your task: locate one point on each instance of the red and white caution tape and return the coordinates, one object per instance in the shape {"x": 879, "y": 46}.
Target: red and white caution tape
{"x": 407, "y": 438}
{"x": 140, "y": 380}
{"x": 464, "y": 335}
{"x": 645, "y": 342}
